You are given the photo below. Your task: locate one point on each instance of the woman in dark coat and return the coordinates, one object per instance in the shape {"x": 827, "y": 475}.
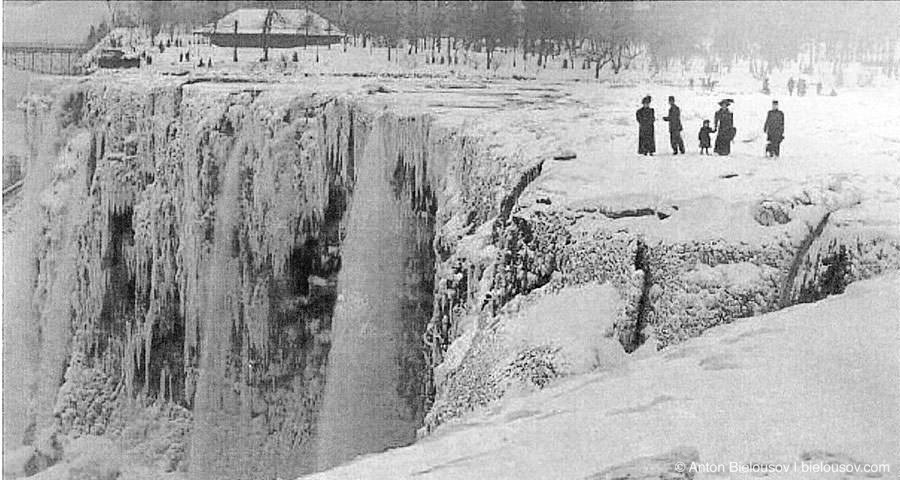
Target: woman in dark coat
{"x": 724, "y": 126}
{"x": 645, "y": 118}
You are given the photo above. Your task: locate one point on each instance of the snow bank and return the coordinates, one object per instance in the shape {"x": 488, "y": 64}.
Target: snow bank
{"x": 777, "y": 388}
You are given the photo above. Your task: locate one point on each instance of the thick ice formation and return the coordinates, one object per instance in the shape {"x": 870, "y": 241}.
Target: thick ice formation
{"x": 373, "y": 391}
{"x": 274, "y": 278}
{"x": 193, "y": 242}
{"x": 21, "y": 319}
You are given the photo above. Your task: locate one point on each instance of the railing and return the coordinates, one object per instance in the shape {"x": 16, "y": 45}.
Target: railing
{"x": 45, "y": 58}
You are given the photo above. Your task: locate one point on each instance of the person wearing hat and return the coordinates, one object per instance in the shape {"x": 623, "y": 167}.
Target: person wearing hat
{"x": 774, "y": 130}
{"x": 724, "y": 128}
{"x": 645, "y": 118}
{"x": 675, "y": 128}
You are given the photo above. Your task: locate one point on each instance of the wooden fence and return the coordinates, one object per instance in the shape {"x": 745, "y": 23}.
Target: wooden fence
{"x": 43, "y": 58}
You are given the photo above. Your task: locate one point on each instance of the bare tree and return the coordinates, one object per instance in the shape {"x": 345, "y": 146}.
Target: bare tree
{"x": 613, "y": 38}
{"x": 267, "y": 28}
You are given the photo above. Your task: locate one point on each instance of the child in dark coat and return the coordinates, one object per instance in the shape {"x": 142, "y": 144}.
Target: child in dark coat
{"x": 704, "y": 138}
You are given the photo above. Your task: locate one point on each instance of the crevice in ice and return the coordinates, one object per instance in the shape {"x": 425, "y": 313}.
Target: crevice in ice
{"x": 121, "y": 237}
{"x": 833, "y": 280}
{"x": 636, "y": 212}
{"x": 91, "y": 164}
{"x": 512, "y": 198}
{"x": 786, "y": 297}
{"x": 634, "y": 339}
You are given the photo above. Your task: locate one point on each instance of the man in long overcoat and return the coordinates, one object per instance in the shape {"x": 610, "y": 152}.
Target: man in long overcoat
{"x": 774, "y": 130}
{"x": 674, "y": 119}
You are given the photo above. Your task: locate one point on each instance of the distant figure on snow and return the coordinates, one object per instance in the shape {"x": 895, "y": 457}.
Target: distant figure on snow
{"x": 645, "y": 118}
{"x": 774, "y": 129}
{"x": 819, "y": 87}
{"x": 791, "y": 86}
{"x": 674, "y": 119}
{"x": 705, "y": 138}
{"x": 801, "y": 87}
{"x": 765, "y": 88}
{"x": 724, "y": 128}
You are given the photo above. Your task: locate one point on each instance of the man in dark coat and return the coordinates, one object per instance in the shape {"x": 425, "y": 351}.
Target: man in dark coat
{"x": 674, "y": 120}
{"x": 645, "y": 118}
{"x": 724, "y": 128}
{"x": 774, "y": 130}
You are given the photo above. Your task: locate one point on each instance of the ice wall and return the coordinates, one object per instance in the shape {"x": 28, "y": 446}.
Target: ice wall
{"x": 374, "y": 389}
{"x": 194, "y": 245}
{"x": 20, "y": 316}
{"x": 266, "y": 192}
{"x": 174, "y": 238}
{"x": 793, "y": 247}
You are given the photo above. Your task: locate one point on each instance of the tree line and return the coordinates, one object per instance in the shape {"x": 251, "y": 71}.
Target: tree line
{"x": 600, "y": 34}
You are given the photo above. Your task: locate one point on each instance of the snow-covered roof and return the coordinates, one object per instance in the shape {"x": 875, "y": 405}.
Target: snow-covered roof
{"x": 285, "y": 22}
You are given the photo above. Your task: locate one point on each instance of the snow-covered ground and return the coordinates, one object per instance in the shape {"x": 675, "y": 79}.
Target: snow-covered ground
{"x": 809, "y": 385}
{"x": 845, "y": 148}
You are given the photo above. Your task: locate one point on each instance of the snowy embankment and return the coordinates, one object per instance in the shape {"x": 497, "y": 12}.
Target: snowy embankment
{"x": 688, "y": 242}
{"x": 808, "y": 385}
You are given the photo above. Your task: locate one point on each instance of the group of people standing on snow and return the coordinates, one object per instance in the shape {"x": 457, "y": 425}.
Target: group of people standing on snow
{"x": 723, "y": 128}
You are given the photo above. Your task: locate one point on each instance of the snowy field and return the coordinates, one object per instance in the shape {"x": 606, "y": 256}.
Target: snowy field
{"x": 825, "y": 372}
{"x": 845, "y": 144}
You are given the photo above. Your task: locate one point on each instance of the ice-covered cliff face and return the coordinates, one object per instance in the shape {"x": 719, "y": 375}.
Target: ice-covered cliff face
{"x": 257, "y": 263}
{"x": 261, "y": 280}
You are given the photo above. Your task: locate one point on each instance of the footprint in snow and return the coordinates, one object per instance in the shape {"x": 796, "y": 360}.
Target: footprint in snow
{"x": 722, "y": 361}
